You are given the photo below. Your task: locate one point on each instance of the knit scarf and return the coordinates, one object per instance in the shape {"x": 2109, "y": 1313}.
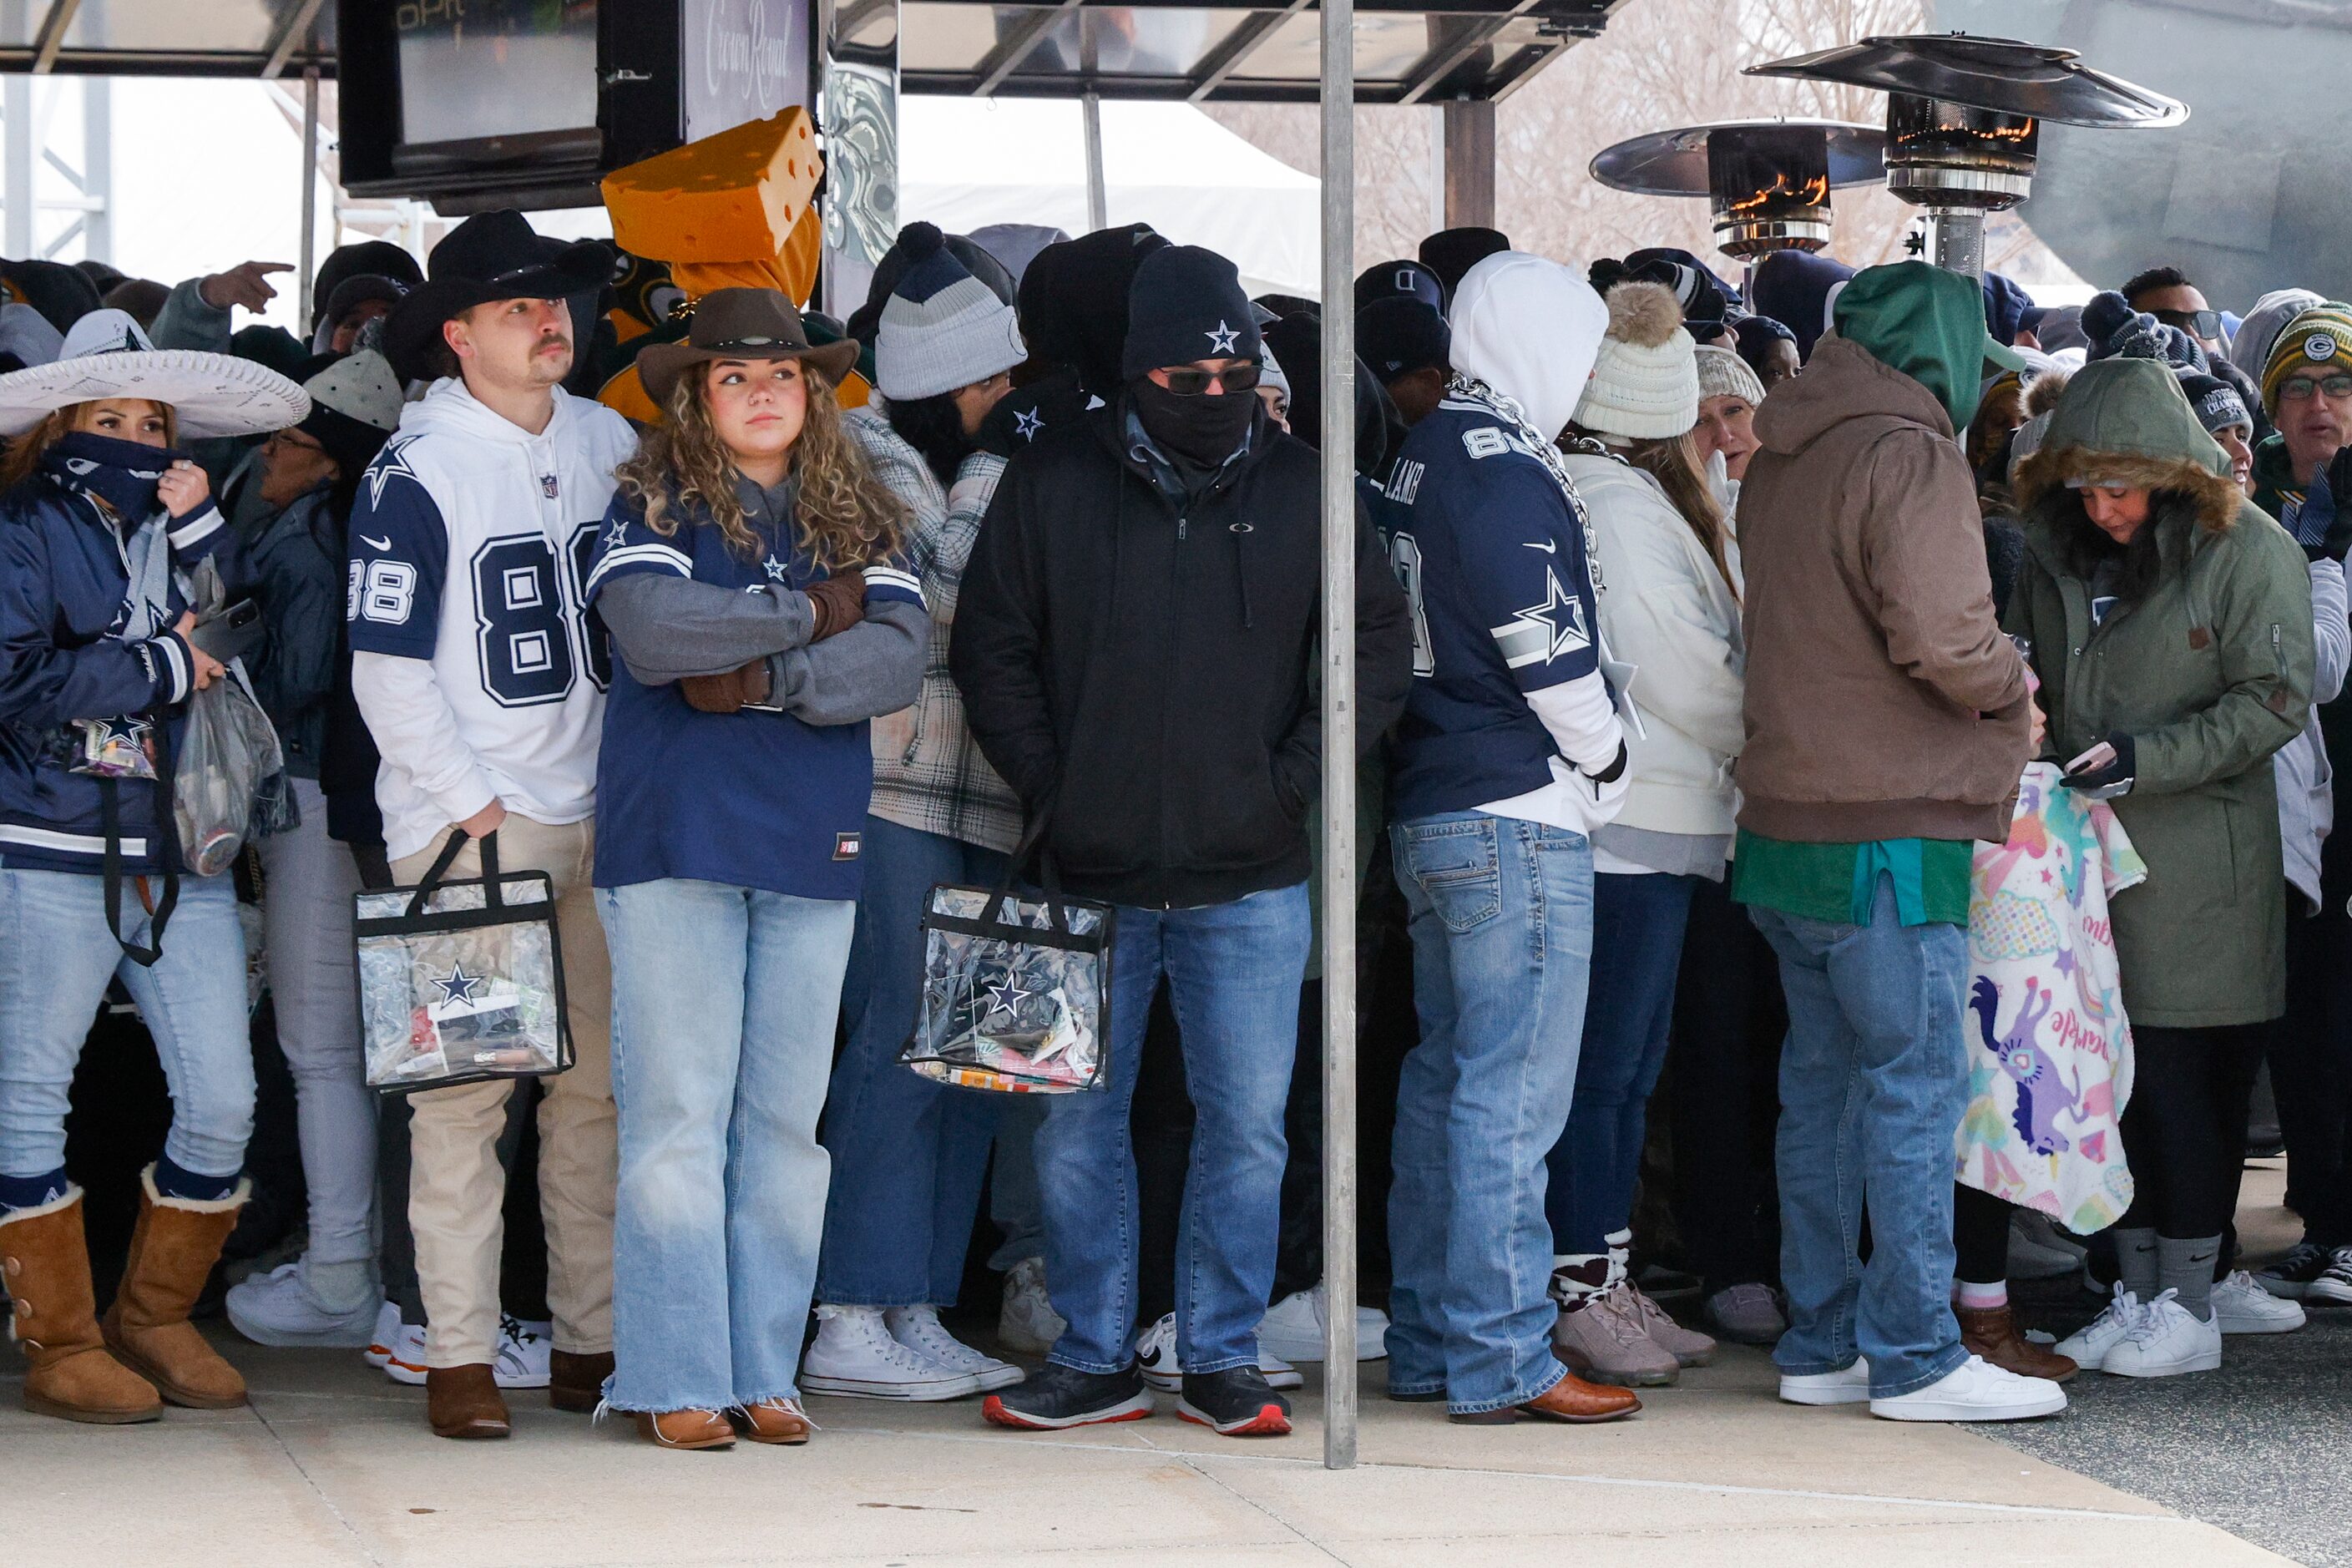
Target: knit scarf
{"x": 122, "y": 474}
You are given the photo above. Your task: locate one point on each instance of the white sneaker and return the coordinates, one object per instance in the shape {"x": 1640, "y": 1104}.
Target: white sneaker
{"x": 2166, "y": 1341}
{"x": 1849, "y": 1386}
{"x": 387, "y": 1329}
{"x": 919, "y": 1330}
{"x": 1976, "y": 1390}
{"x": 2243, "y": 1307}
{"x": 2087, "y": 1347}
{"x": 1028, "y": 1322}
{"x": 523, "y": 1351}
{"x": 855, "y": 1357}
{"x": 278, "y": 1309}
{"x": 1293, "y": 1329}
{"x": 1155, "y": 1358}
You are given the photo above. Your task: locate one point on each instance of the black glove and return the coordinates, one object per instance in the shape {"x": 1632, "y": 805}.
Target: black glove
{"x": 2323, "y": 525}
{"x": 2114, "y": 779}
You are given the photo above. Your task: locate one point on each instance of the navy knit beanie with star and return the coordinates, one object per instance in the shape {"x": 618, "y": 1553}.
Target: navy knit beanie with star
{"x": 1186, "y": 304}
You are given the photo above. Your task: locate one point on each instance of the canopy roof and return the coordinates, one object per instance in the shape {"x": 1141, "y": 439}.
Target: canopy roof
{"x": 1407, "y": 51}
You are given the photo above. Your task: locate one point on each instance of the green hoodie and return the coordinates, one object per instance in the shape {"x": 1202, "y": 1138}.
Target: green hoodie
{"x": 1928, "y": 323}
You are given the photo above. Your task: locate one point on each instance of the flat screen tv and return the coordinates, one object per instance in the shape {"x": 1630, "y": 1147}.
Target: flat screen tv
{"x": 488, "y": 82}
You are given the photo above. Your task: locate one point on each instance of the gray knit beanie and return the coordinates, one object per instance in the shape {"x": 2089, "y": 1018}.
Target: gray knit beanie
{"x": 1722, "y": 373}
{"x": 942, "y": 328}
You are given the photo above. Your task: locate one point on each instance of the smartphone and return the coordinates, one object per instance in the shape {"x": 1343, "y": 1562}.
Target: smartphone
{"x": 228, "y": 632}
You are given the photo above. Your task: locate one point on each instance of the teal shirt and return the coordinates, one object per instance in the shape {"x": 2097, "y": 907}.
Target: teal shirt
{"x": 1837, "y": 882}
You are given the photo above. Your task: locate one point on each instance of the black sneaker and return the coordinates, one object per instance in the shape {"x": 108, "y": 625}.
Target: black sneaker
{"x": 2334, "y": 1282}
{"x": 1055, "y": 1397}
{"x": 2290, "y": 1276}
{"x": 1236, "y": 1403}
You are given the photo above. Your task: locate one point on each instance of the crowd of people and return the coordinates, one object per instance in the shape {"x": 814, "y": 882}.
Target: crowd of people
{"x": 1888, "y": 723}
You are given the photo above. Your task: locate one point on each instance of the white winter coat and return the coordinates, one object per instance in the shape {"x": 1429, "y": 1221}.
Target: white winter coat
{"x": 2306, "y": 788}
{"x": 1666, "y": 611}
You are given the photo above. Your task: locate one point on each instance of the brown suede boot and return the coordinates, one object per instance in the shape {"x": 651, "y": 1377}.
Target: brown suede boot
{"x": 686, "y": 1429}
{"x": 576, "y": 1382}
{"x": 465, "y": 1402}
{"x": 1992, "y": 1333}
{"x": 69, "y": 1374}
{"x": 173, "y": 1249}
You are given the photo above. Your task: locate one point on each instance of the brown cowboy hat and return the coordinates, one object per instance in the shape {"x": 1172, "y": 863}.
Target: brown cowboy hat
{"x": 740, "y": 323}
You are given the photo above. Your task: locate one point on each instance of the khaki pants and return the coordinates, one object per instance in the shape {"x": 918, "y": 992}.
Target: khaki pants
{"x": 455, "y": 1184}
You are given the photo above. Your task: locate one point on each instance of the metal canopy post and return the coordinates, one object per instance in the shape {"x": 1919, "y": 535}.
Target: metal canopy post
{"x": 310, "y": 253}
{"x": 1098, "y": 191}
{"x": 1339, "y": 1371}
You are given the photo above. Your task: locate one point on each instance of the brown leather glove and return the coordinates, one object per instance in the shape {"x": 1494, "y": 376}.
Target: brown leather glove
{"x": 726, "y": 693}
{"x": 839, "y": 601}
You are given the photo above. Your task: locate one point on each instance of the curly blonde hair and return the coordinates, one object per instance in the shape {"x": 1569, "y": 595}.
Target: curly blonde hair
{"x": 846, "y": 517}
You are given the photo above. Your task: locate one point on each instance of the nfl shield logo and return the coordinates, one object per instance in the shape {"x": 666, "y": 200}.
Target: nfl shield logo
{"x": 547, "y": 486}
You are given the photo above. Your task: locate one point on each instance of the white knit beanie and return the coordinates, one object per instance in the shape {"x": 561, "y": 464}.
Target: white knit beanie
{"x": 942, "y": 328}
{"x": 1722, "y": 373}
{"x": 1644, "y": 384}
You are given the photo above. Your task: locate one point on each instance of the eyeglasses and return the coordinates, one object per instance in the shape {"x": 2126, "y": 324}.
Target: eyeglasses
{"x": 290, "y": 437}
{"x": 2295, "y": 388}
{"x": 1189, "y": 383}
{"x": 2196, "y": 324}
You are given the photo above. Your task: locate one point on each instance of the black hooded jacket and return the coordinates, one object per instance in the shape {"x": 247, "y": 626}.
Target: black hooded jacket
{"x": 1139, "y": 664}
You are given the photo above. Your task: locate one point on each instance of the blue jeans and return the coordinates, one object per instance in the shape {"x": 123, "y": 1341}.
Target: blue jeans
{"x": 908, "y": 1154}
{"x": 723, "y": 1005}
{"x": 1501, "y": 916}
{"x": 56, "y": 957}
{"x": 1637, "y": 951}
{"x": 1233, "y": 973}
{"x": 1872, "y": 1083}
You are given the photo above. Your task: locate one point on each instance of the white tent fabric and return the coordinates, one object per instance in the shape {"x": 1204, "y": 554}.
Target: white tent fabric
{"x": 963, "y": 163}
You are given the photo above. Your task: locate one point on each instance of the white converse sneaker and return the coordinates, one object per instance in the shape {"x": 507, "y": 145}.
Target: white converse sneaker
{"x": 1155, "y": 1357}
{"x": 2243, "y": 1307}
{"x": 2088, "y": 1346}
{"x": 1848, "y": 1387}
{"x": 404, "y": 1354}
{"x": 2166, "y": 1341}
{"x": 279, "y": 1309}
{"x": 1028, "y": 1322}
{"x": 387, "y": 1326}
{"x": 1292, "y": 1328}
{"x": 523, "y": 1353}
{"x": 1976, "y": 1390}
{"x": 854, "y": 1356}
{"x": 921, "y": 1331}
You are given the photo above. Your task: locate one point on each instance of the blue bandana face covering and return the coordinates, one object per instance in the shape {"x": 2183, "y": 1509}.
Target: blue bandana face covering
{"x": 124, "y": 474}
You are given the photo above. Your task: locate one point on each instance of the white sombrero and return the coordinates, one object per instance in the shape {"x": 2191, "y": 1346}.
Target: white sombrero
{"x": 106, "y": 355}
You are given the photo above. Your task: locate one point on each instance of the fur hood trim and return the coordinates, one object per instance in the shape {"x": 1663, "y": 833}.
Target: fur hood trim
{"x": 2217, "y": 500}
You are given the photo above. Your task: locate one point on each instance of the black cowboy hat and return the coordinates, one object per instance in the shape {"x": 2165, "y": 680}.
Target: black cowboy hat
{"x": 490, "y": 255}
{"x": 740, "y": 323}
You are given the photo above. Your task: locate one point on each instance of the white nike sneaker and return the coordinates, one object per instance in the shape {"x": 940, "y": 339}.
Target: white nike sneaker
{"x": 279, "y": 1309}
{"x": 1848, "y": 1387}
{"x": 387, "y": 1329}
{"x": 2166, "y": 1341}
{"x": 1155, "y": 1358}
{"x": 921, "y": 1331}
{"x": 1976, "y": 1390}
{"x": 854, "y": 1356}
{"x": 2087, "y": 1347}
{"x": 1292, "y": 1328}
{"x": 524, "y": 1348}
{"x": 2241, "y": 1306}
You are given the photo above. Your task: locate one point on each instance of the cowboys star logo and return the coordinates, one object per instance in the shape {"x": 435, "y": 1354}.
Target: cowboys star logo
{"x": 1006, "y": 997}
{"x": 775, "y": 570}
{"x": 618, "y": 535}
{"x": 459, "y": 986}
{"x": 1222, "y": 337}
{"x": 1027, "y": 423}
{"x": 1542, "y": 633}
{"x": 393, "y": 459}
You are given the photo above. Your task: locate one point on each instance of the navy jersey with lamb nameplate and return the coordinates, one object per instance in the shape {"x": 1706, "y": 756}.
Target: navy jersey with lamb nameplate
{"x": 1493, "y": 561}
{"x": 754, "y": 799}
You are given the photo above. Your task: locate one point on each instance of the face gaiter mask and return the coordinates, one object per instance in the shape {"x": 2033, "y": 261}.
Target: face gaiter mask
{"x": 1202, "y": 430}
{"x": 124, "y": 474}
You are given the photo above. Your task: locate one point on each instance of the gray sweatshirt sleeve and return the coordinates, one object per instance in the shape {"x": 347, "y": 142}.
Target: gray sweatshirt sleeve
{"x": 874, "y": 668}
{"x": 188, "y": 321}
{"x": 667, "y": 627}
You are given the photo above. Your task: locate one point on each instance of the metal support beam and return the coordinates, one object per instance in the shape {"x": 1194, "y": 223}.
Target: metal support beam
{"x": 1097, "y": 188}
{"x": 1469, "y": 163}
{"x": 307, "y": 270}
{"x": 16, "y": 225}
{"x": 1443, "y": 62}
{"x": 52, "y": 35}
{"x": 98, "y": 167}
{"x": 291, "y": 35}
{"x": 1339, "y": 656}
{"x": 1241, "y": 43}
{"x": 1014, "y": 47}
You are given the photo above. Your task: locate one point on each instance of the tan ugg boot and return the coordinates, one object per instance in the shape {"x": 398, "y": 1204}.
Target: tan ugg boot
{"x": 68, "y": 1373}
{"x": 173, "y": 1250}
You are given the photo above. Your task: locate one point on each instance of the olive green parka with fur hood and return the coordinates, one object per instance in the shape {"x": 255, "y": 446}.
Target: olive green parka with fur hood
{"x": 2207, "y": 667}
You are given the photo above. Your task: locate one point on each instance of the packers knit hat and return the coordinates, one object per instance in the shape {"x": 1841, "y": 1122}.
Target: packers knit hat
{"x": 1186, "y": 304}
{"x": 942, "y": 328}
{"x": 2319, "y": 336}
{"x": 1723, "y": 374}
{"x": 1644, "y": 382}
{"x": 1399, "y": 335}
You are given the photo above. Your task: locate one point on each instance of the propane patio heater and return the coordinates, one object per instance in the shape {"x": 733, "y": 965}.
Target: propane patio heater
{"x": 1964, "y": 115}
{"x": 1769, "y": 180}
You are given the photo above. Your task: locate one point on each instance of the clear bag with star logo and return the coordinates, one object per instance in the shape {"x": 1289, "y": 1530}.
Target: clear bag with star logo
{"x": 1016, "y": 991}
{"x": 461, "y": 979}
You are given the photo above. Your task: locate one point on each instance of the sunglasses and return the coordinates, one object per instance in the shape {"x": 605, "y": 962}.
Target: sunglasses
{"x": 2295, "y": 388}
{"x": 1189, "y": 383}
{"x": 2196, "y": 324}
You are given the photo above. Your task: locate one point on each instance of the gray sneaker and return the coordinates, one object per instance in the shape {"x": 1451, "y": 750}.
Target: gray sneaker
{"x": 1747, "y": 1314}
{"x": 1605, "y": 1339}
